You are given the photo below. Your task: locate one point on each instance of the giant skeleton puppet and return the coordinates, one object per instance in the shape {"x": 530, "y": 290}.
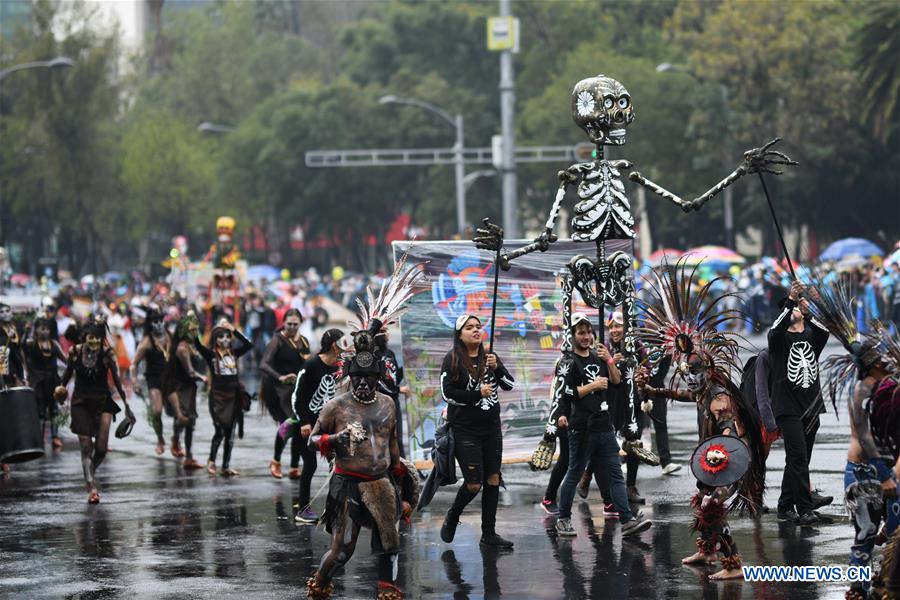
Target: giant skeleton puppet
{"x": 371, "y": 485}
{"x": 603, "y": 108}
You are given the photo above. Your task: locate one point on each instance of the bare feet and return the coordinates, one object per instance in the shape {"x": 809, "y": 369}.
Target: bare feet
{"x": 160, "y": 447}
{"x": 176, "y": 450}
{"x": 699, "y": 559}
{"x": 728, "y": 574}
{"x": 210, "y": 467}
{"x": 228, "y": 473}
{"x": 275, "y": 469}
{"x": 191, "y": 464}
{"x": 94, "y": 497}
{"x": 294, "y": 474}
{"x": 57, "y": 443}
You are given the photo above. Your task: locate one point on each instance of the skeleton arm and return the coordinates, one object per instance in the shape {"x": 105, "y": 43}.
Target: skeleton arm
{"x": 757, "y": 160}
{"x": 570, "y": 176}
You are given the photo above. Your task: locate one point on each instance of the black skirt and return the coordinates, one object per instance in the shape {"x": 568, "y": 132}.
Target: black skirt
{"x": 87, "y": 412}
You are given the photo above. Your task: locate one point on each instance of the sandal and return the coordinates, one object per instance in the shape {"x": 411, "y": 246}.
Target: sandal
{"x": 94, "y": 497}
{"x": 210, "y": 467}
{"x": 275, "y": 468}
{"x": 191, "y": 464}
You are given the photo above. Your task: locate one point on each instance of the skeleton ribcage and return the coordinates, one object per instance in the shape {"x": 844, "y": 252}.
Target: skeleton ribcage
{"x": 603, "y": 211}
{"x": 802, "y": 366}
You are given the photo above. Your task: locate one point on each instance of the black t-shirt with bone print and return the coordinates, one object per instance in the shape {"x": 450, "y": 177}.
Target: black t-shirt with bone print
{"x": 794, "y": 365}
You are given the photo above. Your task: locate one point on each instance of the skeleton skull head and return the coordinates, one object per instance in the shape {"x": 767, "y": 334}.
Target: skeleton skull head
{"x": 6, "y": 314}
{"x": 602, "y": 107}
{"x": 694, "y": 373}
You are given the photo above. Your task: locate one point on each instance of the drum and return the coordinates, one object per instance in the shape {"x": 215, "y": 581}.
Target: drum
{"x": 20, "y": 426}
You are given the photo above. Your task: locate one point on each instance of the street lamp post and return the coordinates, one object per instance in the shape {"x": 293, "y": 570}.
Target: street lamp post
{"x": 459, "y": 147}
{"x": 728, "y": 203}
{"x": 53, "y": 63}
{"x": 59, "y": 61}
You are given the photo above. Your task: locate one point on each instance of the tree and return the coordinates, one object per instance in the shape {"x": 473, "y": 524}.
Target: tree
{"x": 879, "y": 49}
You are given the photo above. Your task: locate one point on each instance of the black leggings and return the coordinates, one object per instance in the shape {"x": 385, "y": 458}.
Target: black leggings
{"x": 296, "y": 448}
{"x": 226, "y": 434}
{"x": 562, "y": 465}
{"x": 309, "y": 469}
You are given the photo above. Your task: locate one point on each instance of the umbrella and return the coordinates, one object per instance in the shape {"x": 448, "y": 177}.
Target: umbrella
{"x": 663, "y": 254}
{"x": 259, "y": 272}
{"x": 852, "y": 261}
{"x": 847, "y": 246}
{"x": 893, "y": 258}
{"x": 113, "y": 276}
{"x": 713, "y": 255}
{"x": 20, "y": 279}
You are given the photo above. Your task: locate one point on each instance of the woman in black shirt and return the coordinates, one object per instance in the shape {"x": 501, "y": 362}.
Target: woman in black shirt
{"x": 282, "y": 360}
{"x": 41, "y": 355}
{"x": 227, "y": 397}
{"x": 316, "y": 385}
{"x": 153, "y": 351}
{"x": 92, "y": 364}
{"x": 469, "y": 381}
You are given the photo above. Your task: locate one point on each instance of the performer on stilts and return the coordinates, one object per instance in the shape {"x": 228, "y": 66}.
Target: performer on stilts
{"x": 282, "y": 360}
{"x": 371, "y": 485}
{"x": 684, "y": 324}
{"x": 315, "y": 386}
{"x": 869, "y": 374}
{"x": 93, "y": 409}
{"x": 470, "y": 378}
{"x": 153, "y": 350}
{"x": 228, "y": 400}
{"x": 42, "y": 354}
{"x": 180, "y": 388}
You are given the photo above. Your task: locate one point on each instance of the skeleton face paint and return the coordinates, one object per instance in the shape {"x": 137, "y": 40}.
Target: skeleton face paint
{"x": 158, "y": 327}
{"x": 93, "y": 342}
{"x": 695, "y": 379}
{"x": 364, "y": 387}
{"x": 5, "y": 313}
{"x": 42, "y": 332}
{"x": 223, "y": 340}
{"x": 602, "y": 107}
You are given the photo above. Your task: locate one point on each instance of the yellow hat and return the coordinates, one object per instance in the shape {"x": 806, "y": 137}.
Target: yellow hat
{"x": 225, "y": 225}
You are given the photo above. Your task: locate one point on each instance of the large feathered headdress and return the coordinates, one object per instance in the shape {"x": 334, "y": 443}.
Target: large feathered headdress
{"x": 832, "y": 300}
{"x": 682, "y": 318}
{"x": 378, "y": 312}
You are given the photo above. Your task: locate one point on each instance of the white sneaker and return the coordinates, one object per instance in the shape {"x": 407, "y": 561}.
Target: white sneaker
{"x": 671, "y": 468}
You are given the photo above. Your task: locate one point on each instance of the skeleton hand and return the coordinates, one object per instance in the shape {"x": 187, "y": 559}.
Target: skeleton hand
{"x": 760, "y": 160}
{"x": 544, "y": 240}
{"x": 489, "y": 236}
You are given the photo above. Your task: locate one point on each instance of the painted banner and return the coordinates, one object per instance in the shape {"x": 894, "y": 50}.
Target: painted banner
{"x": 459, "y": 280}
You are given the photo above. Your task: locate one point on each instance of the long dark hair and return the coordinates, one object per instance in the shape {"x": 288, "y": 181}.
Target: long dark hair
{"x": 461, "y": 358}
{"x": 292, "y": 312}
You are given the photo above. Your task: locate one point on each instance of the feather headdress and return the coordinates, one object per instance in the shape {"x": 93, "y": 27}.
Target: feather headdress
{"x": 682, "y": 318}
{"x": 832, "y": 301}
{"x": 386, "y": 308}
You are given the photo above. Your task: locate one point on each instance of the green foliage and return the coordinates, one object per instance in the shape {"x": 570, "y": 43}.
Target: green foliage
{"x": 125, "y": 162}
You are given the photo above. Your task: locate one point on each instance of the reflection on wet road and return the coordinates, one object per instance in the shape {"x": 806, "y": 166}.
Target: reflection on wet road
{"x": 161, "y": 532}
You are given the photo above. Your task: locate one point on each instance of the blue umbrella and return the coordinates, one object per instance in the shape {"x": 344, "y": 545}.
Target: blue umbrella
{"x": 841, "y": 248}
{"x": 259, "y": 272}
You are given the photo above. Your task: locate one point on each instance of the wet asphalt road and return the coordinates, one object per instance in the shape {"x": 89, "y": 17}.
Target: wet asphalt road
{"x": 161, "y": 532}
